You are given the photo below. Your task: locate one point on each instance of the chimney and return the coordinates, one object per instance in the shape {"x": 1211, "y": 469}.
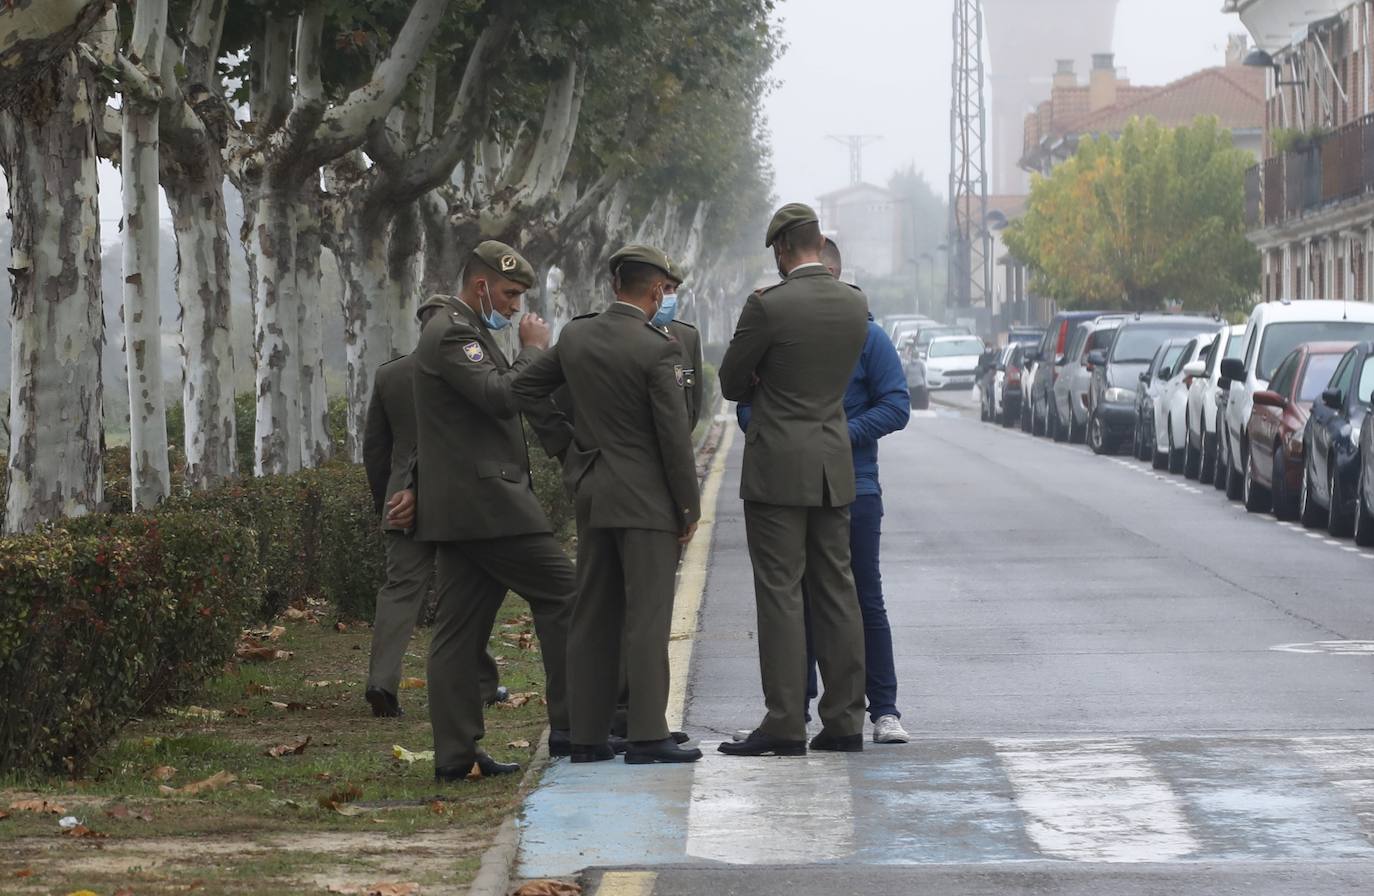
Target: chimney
{"x": 1102, "y": 81}
{"x": 1064, "y": 75}
{"x": 1237, "y": 46}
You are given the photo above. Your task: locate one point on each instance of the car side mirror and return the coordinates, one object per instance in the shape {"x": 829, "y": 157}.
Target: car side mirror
{"x": 1233, "y": 369}
{"x": 1332, "y": 398}
{"x": 1194, "y": 368}
{"x": 1145, "y": 376}
{"x": 1165, "y": 373}
{"x": 1097, "y": 358}
{"x": 1060, "y": 360}
{"x": 1269, "y": 399}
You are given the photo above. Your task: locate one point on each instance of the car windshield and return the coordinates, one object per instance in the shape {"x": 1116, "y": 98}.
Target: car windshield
{"x": 1366, "y": 388}
{"x": 1280, "y": 339}
{"x": 1317, "y": 375}
{"x": 947, "y": 348}
{"x": 923, "y": 338}
{"x": 1026, "y": 337}
{"x": 1137, "y": 345}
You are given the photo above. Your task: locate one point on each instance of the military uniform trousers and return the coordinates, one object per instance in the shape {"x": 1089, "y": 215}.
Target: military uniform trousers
{"x": 401, "y": 600}
{"x": 472, "y": 578}
{"x": 789, "y": 545}
{"x": 625, "y": 584}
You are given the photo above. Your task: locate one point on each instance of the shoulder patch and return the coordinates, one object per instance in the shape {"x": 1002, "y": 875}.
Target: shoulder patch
{"x": 679, "y": 374}
{"x": 474, "y": 351}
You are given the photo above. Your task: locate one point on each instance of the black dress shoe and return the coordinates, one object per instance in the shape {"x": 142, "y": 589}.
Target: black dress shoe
{"x": 618, "y": 744}
{"x": 489, "y": 768}
{"x": 760, "y": 744}
{"x": 843, "y": 743}
{"x": 501, "y": 696}
{"x": 645, "y": 752}
{"x": 384, "y": 703}
{"x": 591, "y": 752}
{"x": 560, "y": 742}
{"x": 679, "y": 737}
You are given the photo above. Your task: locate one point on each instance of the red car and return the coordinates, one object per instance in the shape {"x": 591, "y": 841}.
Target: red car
{"x": 1273, "y": 477}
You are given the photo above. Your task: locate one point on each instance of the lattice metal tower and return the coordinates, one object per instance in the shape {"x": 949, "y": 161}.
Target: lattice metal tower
{"x": 970, "y": 244}
{"x": 856, "y": 144}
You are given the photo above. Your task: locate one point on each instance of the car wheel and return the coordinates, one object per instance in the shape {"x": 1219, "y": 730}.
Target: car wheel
{"x": 1255, "y": 496}
{"x": 1176, "y": 458}
{"x": 1037, "y": 424}
{"x": 1074, "y": 435}
{"x": 1235, "y": 478}
{"x": 1309, "y": 514}
{"x": 1057, "y": 429}
{"x": 1283, "y": 503}
{"x": 1158, "y": 459}
{"x": 1364, "y": 516}
{"x": 1206, "y": 471}
{"x": 1339, "y": 521}
{"x": 1146, "y": 449}
{"x": 1097, "y": 437}
{"x": 1192, "y": 458}
{"x": 1008, "y": 419}
{"x": 1026, "y": 423}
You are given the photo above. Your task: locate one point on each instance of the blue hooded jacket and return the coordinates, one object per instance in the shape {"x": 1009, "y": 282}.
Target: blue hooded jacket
{"x": 877, "y": 403}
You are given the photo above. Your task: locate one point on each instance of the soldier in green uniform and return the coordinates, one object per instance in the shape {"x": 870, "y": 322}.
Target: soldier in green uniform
{"x": 388, "y": 456}
{"x": 476, "y": 500}
{"x": 634, "y": 476}
{"x": 792, "y": 356}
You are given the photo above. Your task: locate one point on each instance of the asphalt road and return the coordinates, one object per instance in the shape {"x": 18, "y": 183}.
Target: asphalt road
{"x": 1118, "y": 682}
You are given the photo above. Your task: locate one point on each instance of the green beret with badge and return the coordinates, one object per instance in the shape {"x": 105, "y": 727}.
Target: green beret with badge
{"x": 636, "y": 252}
{"x": 506, "y": 262}
{"x": 793, "y": 214}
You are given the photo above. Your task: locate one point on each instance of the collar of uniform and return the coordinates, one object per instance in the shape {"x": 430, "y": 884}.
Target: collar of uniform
{"x": 810, "y": 269}
{"x": 628, "y": 310}
{"x": 464, "y": 309}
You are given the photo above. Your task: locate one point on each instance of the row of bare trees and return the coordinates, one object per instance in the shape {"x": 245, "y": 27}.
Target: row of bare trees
{"x": 393, "y": 134}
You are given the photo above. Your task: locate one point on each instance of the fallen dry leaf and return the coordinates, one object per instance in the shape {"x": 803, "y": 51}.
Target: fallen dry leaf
{"x": 253, "y": 689}
{"x": 515, "y": 701}
{"x": 401, "y": 753}
{"x": 409, "y": 888}
{"x": 549, "y": 888}
{"x": 295, "y": 614}
{"x": 519, "y": 744}
{"x": 348, "y": 809}
{"x": 214, "y": 782}
{"x": 292, "y": 706}
{"x": 339, "y": 800}
{"x": 163, "y": 773}
{"x": 81, "y": 831}
{"x": 38, "y": 806}
{"x": 412, "y": 684}
{"x": 82, "y": 893}
{"x": 123, "y": 812}
{"x": 24, "y": 872}
{"x": 4, "y": 815}
{"x": 124, "y": 891}
{"x": 341, "y": 627}
{"x": 295, "y": 748}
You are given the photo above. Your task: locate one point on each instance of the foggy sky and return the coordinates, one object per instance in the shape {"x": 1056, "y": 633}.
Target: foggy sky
{"x": 883, "y": 67}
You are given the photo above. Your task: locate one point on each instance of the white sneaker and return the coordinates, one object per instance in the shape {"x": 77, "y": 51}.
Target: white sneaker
{"x": 888, "y": 730}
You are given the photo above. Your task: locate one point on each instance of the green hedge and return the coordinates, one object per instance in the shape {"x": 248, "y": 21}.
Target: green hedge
{"x": 110, "y": 617}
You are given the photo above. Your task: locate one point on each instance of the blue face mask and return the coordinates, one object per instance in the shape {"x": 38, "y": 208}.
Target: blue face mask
{"x": 666, "y": 310}
{"x": 494, "y": 320}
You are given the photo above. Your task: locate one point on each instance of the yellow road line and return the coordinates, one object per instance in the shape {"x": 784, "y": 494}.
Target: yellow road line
{"x": 627, "y": 883}
{"x": 692, "y": 586}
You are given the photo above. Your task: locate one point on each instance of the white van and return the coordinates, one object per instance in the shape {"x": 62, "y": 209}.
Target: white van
{"x": 1274, "y": 330}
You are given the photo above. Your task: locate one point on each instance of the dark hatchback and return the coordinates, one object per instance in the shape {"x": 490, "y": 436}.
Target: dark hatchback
{"x": 1331, "y": 443}
{"x": 1116, "y": 374}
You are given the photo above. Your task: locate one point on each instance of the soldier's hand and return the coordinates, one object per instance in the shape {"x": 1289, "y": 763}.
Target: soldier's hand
{"x": 686, "y": 537}
{"x": 400, "y": 510}
{"x": 534, "y": 331}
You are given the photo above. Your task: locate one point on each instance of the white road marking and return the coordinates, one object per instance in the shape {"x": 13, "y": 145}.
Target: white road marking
{"x": 770, "y": 810}
{"x": 1096, "y": 801}
{"x": 1336, "y": 648}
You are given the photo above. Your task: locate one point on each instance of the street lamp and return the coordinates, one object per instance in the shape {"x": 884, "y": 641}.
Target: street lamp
{"x": 1258, "y": 58}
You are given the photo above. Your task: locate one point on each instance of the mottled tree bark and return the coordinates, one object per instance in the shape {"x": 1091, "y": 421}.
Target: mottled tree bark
{"x": 37, "y": 33}
{"x": 315, "y": 446}
{"x": 149, "y": 480}
{"x": 47, "y": 147}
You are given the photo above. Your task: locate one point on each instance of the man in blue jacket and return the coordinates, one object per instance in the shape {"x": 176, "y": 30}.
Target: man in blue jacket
{"x": 877, "y": 403}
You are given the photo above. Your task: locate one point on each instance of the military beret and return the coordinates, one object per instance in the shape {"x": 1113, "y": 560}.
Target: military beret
{"x": 646, "y": 255}
{"x": 505, "y": 261}
{"x": 793, "y": 214}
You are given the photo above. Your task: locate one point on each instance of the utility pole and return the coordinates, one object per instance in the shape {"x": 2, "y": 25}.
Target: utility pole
{"x": 970, "y": 249}
{"x": 856, "y": 144}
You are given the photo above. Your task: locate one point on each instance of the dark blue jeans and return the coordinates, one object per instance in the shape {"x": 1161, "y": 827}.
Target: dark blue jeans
{"x": 865, "y": 531}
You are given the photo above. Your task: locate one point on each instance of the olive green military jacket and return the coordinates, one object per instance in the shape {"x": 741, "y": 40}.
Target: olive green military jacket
{"x": 632, "y": 444}
{"x": 792, "y": 355}
{"x": 472, "y": 462}
{"x": 389, "y": 432}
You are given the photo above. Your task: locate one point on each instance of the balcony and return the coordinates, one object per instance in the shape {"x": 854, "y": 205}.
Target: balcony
{"x": 1333, "y": 169}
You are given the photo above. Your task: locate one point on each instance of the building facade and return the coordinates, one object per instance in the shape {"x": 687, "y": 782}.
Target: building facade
{"x": 866, "y": 221}
{"x": 1310, "y": 201}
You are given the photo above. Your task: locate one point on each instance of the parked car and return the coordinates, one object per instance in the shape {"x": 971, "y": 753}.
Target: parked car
{"x": 951, "y": 362}
{"x": 1030, "y": 366}
{"x": 1278, "y": 423}
{"x": 924, "y": 332}
{"x": 1200, "y": 443}
{"x": 1331, "y": 443}
{"x": 1011, "y": 385}
{"x": 899, "y": 325}
{"x": 1364, "y": 488}
{"x": 1051, "y": 357}
{"x": 1116, "y": 374}
{"x": 1070, "y": 390}
{"x": 992, "y": 373}
{"x": 1025, "y": 335}
{"x": 1273, "y": 330}
{"x": 1171, "y": 405}
{"x": 1152, "y": 381}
